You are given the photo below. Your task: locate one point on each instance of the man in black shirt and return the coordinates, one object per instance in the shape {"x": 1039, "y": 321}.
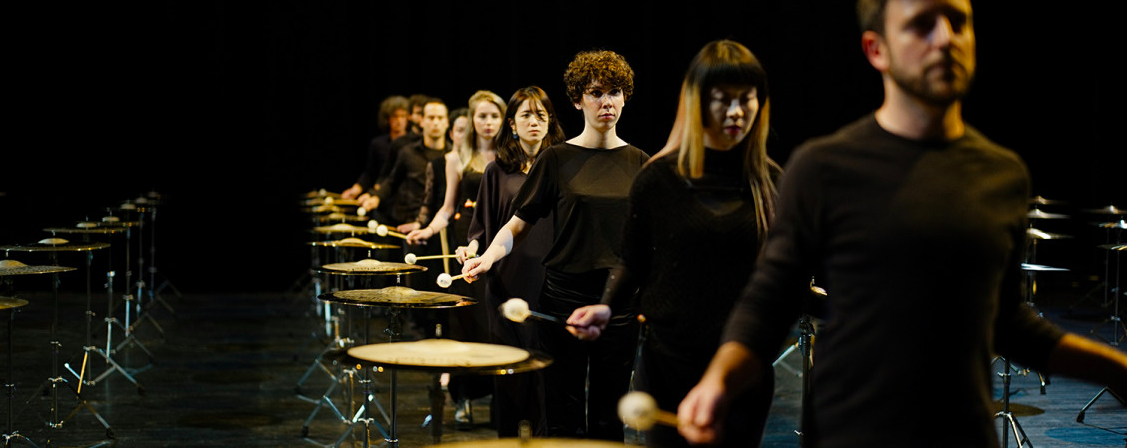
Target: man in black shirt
{"x": 869, "y": 210}
{"x": 407, "y": 179}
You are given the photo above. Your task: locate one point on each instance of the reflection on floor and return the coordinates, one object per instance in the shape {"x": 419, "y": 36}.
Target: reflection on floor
{"x": 224, "y": 370}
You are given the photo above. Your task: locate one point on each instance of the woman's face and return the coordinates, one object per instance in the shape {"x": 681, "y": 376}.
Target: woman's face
{"x": 601, "y": 107}
{"x": 730, "y": 112}
{"x": 458, "y": 130}
{"x": 530, "y": 125}
{"x": 486, "y": 119}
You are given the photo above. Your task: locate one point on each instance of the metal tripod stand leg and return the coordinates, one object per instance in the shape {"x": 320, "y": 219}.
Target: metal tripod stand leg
{"x": 53, "y": 382}
{"x": 1019, "y": 434}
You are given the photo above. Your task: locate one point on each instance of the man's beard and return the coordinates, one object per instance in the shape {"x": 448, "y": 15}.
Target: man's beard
{"x": 939, "y": 92}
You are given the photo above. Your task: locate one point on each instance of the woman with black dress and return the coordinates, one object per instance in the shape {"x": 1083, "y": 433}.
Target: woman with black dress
{"x": 683, "y": 270}
{"x": 583, "y": 184}
{"x": 530, "y": 124}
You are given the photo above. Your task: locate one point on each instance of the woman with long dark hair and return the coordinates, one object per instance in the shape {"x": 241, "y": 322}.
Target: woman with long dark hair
{"x": 698, "y": 214}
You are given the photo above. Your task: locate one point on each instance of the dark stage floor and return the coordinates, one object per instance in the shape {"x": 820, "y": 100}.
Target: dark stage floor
{"x": 225, "y": 370}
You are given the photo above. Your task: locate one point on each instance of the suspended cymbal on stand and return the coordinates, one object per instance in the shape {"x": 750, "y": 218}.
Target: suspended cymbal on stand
{"x": 7, "y": 303}
{"x": 354, "y": 242}
{"x": 13, "y": 267}
{"x": 54, "y": 245}
{"x": 1038, "y": 214}
{"x": 1121, "y": 224}
{"x": 532, "y": 443}
{"x": 397, "y": 297}
{"x": 1113, "y": 246}
{"x": 344, "y": 228}
{"x": 1041, "y": 200}
{"x": 371, "y": 267}
{"x": 1041, "y": 268}
{"x": 1107, "y": 210}
{"x": 1042, "y": 235}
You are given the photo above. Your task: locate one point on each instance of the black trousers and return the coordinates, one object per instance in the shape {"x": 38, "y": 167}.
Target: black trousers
{"x": 587, "y": 378}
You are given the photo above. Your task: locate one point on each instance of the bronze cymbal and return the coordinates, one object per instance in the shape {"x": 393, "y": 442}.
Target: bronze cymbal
{"x": 1039, "y": 267}
{"x": 432, "y": 353}
{"x": 370, "y": 266}
{"x": 1041, "y": 235}
{"x": 11, "y": 302}
{"x": 397, "y": 297}
{"x": 1121, "y": 224}
{"x": 13, "y": 267}
{"x": 1113, "y": 246}
{"x": 55, "y": 245}
{"x": 322, "y": 193}
{"x": 1038, "y": 214}
{"x": 354, "y": 242}
{"x": 532, "y": 443}
{"x": 329, "y": 200}
{"x": 343, "y": 228}
{"x": 1040, "y": 200}
{"x": 342, "y": 217}
{"x": 1108, "y": 210}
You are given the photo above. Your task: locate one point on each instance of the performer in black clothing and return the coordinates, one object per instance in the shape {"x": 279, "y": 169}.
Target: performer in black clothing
{"x": 407, "y": 179}
{"x": 583, "y": 183}
{"x": 909, "y": 282}
{"x": 714, "y": 181}
{"x": 463, "y": 168}
{"x": 530, "y": 124}
{"x": 392, "y": 121}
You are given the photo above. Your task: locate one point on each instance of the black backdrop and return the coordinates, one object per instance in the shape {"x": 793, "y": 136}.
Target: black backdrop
{"x": 232, "y": 110}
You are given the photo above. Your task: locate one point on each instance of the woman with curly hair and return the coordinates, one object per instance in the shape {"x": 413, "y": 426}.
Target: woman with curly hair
{"x": 583, "y": 184}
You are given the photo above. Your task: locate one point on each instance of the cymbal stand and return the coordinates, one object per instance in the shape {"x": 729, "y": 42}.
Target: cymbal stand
{"x": 349, "y": 374}
{"x": 1114, "y": 319}
{"x": 1030, "y": 293}
{"x": 154, "y": 294}
{"x": 369, "y": 400}
{"x": 804, "y": 347}
{"x": 141, "y": 308}
{"x": 110, "y": 321}
{"x": 332, "y": 331}
{"x": 1005, "y": 414}
{"x": 1114, "y": 341}
{"x": 130, "y": 337}
{"x": 53, "y": 421}
{"x": 10, "y": 434}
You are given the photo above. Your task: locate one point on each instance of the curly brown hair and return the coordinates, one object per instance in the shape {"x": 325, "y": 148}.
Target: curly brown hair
{"x": 605, "y": 67}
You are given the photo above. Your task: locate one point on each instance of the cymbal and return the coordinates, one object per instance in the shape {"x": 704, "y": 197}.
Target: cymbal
{"x": 55, "y": 245}
{"x": 439, "y": 353}
{"x": 11, "y": 302}
{"x": 1108, "y": 210}
{"x": 330, "y": 209}
{"x": 1039, "y": 267}
{"x": 370, "y": 266}
{"x": 13, "y": 267}
{"x": 86, "y": 227}
{"x": 354, "y": 242}
{"x": 1113, "y": 246}
{"x": 397, "y": 297}
{"x": 329, "y": 200}
{"x": 322, "y": 193}
{"x": 342, "y": 217}
{"x": 1040, "y": 200}
{"x": 343, "y": 228}
{"x": 1040, "y": 235}
{"x": 532, "y": 443}
{"x": 1038, "y": 214}
{"x": 1121, "y": 224}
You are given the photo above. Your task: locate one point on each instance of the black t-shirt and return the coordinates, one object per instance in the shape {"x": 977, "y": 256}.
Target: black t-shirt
{"x": 587, "y": 191}
{"x": 919, "y": 246}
